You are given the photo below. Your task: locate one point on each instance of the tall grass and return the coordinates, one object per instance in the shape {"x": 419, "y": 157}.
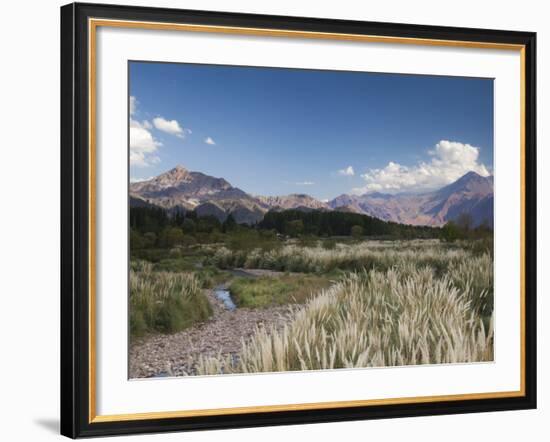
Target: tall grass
{"x": 474, "y": 276}
{"x": 401, "y": 316}
{"x": 380, "y": 255}
{"x": 164, "y": 302}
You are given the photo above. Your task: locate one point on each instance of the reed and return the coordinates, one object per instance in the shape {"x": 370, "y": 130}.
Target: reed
{"x": 405, "y": 315}
{"x": 164, "y": 302}
{"x": 379, "y": 255}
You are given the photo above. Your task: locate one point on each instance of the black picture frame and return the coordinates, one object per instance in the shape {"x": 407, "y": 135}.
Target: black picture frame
{"x": 75, "y": 221}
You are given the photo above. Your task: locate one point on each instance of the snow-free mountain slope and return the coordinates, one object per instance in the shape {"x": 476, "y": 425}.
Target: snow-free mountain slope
{"x": 182, "y": 189}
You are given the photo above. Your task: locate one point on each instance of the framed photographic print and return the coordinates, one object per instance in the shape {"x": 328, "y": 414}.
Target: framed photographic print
{"x": 279, "y": 220}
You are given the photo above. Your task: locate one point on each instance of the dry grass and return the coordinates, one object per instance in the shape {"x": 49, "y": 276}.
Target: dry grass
{"x": 164, "y": 301}
{"x": 404, "y": 315}
{"x": 380, "y": 255}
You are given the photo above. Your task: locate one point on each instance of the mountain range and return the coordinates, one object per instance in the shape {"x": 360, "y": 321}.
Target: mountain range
{"x": 181, "y": 189}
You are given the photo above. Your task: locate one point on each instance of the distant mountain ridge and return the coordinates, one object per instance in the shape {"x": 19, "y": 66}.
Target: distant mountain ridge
{"x": 207, "y": 195}
{"x": 293, "y": 201}
{"x": 181, "y": 189}
{"x": 471, "y": 194}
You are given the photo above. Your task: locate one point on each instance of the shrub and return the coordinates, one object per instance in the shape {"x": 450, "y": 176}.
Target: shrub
{"x": 163, "y": 301}
{"x": 450, "y": 232}
{"x": 294, "y": 227}
{"x": 356, "y": 231}
{"x": 149, "y": 240}
{"x": 136, "y": 240}
{"x": 170, "y": 237}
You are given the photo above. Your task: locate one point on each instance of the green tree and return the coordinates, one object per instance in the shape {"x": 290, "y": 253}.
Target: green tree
{"x": 170, "y": 237}
{"x": 206, "y": 224}
{"x": 216, "y": 236}
{"x": 465, "y": 222}
{"x": 450, "y": 232}
{"x": 295, "y": 227}
{"x": 229, "y": 224}
{"x": 136, "y": 240}
{"x": 188, "y": 225}
{"x": 188, "y": 240}
{"x": 356, "y": 231}
{"x": 149, "y": 240}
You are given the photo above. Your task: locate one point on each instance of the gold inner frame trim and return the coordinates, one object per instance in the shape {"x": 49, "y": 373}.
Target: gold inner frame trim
{"x": 93, "y": 24}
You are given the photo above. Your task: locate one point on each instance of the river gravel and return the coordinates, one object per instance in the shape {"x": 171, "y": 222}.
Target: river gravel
{"x": 174, "y": 354}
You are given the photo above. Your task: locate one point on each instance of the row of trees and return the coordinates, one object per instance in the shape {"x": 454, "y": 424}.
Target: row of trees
{"x": 321, "y": 223}
{"x": 155, "y": 227}
{"x": 464, "y": 228}
{"x": 145, "y": 219}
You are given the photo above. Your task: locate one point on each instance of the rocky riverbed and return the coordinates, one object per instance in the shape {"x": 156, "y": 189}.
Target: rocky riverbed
{"x": 174, "y": 354}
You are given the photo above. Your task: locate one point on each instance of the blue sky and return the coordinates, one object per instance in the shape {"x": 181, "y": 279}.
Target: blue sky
{"x": 273, "y": 131}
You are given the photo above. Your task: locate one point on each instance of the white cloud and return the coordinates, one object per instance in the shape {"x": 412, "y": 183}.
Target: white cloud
{"x": 142, "y": 143}
{"x": 140, "y": 159}
{"x": 305, "y": 183}
{"x": 450, "y": 160}
{"x": 171, "y": 127}
{"x": 141, "y": 139}
{"x": 137, "y": 159}
{"x": 210, "y": 141}
{"x": 348, "y": 171}
{"x": 140, "y": 180}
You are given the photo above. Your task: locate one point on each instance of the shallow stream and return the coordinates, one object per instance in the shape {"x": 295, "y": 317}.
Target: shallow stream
{"x": 225, "y": 295}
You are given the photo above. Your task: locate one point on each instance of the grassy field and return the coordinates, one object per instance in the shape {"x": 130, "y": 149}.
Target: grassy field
{"x": 354, "y": 303}
{"x": 317, "y": 258}
{"x": 400, "y": 303}
{"x": 276, "y": 290}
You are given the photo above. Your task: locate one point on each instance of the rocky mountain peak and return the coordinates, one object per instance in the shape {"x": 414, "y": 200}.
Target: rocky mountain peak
{"x": 177, "y": 174}
{"x": 178, "y": 168}
{"x": 471, "y": 193}
{"x": 208, "y": 195}
{"x": 471, "y": 183}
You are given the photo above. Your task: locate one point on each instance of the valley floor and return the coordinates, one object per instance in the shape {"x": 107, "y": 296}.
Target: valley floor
{"x": 222, "y": 334}
{"x": 320, "y": 305}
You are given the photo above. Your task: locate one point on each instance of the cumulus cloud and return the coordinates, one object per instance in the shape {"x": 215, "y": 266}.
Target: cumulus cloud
{"x": 449, "y": 161}
{"x": 142, "y": 143}
{"x": 171, "y": 127}
{"x": 348, "y": 171}
{"x": 141, "y": 139}
{"x": 140, "y": 159}
{"x": 140, "y": 180}
{"x": 209, "y": 140}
